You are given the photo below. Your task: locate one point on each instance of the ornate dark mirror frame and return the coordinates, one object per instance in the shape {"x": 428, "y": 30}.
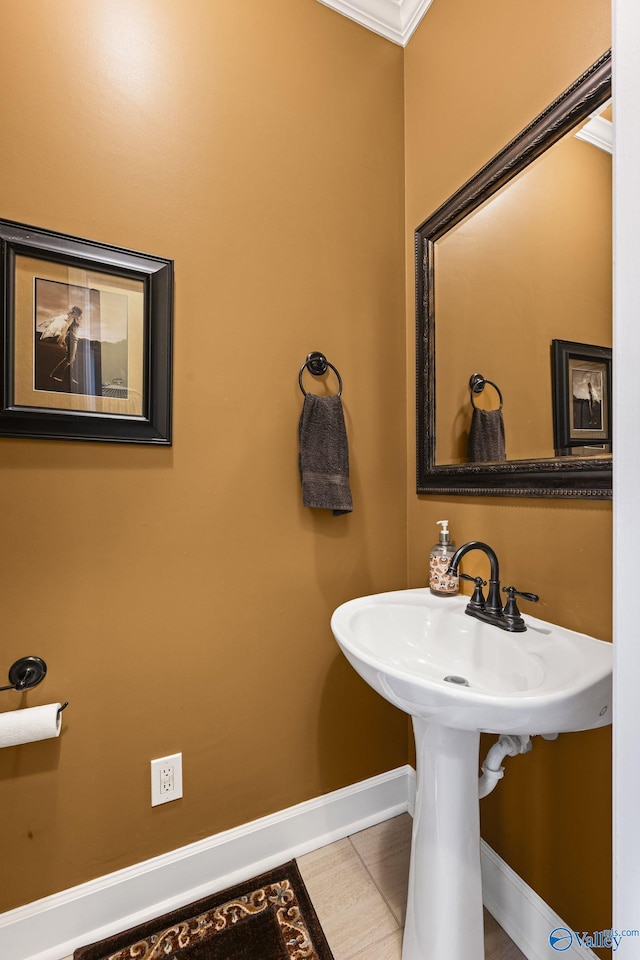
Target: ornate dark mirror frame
{"x": 556, "y": 477}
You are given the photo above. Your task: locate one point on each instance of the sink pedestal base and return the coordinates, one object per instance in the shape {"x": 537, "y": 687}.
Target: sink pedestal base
{"x": 444, "y": 908}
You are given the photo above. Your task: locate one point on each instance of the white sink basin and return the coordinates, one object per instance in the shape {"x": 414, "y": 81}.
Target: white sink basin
{"x": 545, "y": 680}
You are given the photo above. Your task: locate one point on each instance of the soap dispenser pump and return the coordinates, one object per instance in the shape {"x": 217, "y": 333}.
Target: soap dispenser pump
{"x": 440, "y": 582}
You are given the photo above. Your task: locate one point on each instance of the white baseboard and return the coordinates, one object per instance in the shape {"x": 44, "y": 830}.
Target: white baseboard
{"x": 521, "y": 913}
{"x": 51, "y": 928}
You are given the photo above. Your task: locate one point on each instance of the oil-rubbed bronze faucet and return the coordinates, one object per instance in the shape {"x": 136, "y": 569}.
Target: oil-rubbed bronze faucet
{"x": 491, "y": 609}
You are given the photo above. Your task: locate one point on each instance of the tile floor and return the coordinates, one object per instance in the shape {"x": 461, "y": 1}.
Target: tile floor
{"x": 358, "y": 887}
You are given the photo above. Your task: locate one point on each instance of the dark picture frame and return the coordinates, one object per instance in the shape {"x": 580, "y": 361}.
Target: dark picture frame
{"x": 87, "y": 333}
{"x": 581, "y": 384}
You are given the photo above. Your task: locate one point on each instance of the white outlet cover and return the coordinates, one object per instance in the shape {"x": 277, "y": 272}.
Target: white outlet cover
{"x": 175, "y": 762}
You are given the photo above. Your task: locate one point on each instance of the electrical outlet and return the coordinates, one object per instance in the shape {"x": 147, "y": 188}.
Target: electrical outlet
{"x": 166, "y": 779}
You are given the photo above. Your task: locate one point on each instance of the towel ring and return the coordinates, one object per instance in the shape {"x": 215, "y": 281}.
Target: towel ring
{"x": 477, "y": 384}
{"x": 318, "y": 365}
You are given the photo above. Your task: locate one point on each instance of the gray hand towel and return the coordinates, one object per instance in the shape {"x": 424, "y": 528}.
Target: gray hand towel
{"x": 324, "y": 455}
{"x": 486, "y": 436}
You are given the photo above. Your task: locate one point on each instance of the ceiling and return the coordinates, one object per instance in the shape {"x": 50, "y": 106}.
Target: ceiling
{"x": 394, "y": 19}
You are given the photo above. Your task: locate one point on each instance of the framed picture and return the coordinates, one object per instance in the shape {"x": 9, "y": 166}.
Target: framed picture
{"x": 86, "y": 339}
{"x": 581, "y": 378}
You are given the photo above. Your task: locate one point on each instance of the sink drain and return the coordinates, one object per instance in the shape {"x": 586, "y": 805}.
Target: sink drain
{"x": 460, "y": 680}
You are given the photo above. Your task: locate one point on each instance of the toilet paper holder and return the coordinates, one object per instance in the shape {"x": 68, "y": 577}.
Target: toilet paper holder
{"x": 25, "y": 673}
{"x": 28, "y": 672}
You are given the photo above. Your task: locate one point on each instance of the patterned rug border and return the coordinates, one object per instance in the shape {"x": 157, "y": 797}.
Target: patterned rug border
{"x": 280, "y": 890}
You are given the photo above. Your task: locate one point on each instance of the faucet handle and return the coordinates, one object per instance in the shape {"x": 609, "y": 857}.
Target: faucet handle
{"x": 533, "y": 597}
{"x": 477, "y": 601}
{"x": 511, "y": 607}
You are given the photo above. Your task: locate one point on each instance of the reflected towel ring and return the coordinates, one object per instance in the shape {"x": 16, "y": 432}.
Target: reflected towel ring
{"x": 477, "y": 384}
{"x": 318, "y": 365}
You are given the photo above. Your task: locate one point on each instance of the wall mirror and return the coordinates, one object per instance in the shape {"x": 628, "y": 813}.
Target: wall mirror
{"x": 517, "y": 260}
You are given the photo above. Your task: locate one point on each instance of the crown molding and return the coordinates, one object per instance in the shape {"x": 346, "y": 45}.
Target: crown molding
{"x": 394, "y": 19}
{"x": 599, "y": 133}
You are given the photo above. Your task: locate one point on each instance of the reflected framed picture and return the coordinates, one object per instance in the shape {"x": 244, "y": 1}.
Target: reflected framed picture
{"x": 86, "y": 339}
{"x": 581, "y": 381}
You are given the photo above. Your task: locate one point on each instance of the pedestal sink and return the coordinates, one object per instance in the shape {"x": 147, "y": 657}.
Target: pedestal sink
{"x": 458, "y": 677}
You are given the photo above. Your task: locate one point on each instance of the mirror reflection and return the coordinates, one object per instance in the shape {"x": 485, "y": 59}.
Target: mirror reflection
{"x": 529, "y": 266}
{"x": 513, "y": 288}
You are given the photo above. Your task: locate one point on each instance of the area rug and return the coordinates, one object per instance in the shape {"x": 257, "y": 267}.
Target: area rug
{"x": 268, "y": 918}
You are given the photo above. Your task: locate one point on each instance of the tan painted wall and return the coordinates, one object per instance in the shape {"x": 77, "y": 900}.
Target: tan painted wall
{"x": 475, "y": 74}
{"x": 181, "y": 597}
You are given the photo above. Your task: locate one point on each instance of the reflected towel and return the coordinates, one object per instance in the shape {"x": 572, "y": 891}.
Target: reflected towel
{"x": 486, "y": 436}
{"x": 324, "y": 455}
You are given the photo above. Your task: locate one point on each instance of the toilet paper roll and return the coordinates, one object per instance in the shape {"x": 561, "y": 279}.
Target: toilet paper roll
{"x": 30, "y": 724}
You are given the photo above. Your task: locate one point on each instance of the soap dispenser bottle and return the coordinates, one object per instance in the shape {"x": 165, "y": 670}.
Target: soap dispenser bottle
{"x": 442, "y": 583}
